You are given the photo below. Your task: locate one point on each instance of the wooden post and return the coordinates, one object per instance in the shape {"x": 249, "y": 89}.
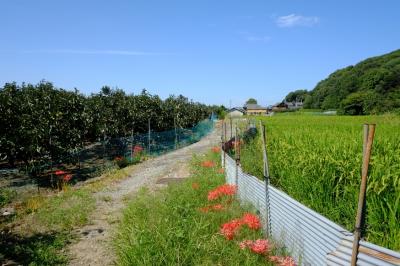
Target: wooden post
{"x": 369, "y": 132}
{"x": 266, "y": 178}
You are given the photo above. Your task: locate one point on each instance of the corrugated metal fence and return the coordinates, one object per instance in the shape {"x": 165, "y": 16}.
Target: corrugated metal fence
{"x": 311, "y": 238}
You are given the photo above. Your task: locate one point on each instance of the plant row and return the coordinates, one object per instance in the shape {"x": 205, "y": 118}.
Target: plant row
{"x": 44, "y": 122}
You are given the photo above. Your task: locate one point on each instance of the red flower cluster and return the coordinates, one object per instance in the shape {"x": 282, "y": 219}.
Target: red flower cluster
{"x": 137, "y": 149}
{"x": 224, "y": 190}
{"x": 229, "y": 229}
{"x": 64, "y": 175}
{"x": 216, "y": 207}
{"x": 195, "y": 186}
{"x": 118, "y": 158}
{"x": 259, "y": 246}
{"x": 207, "y": 164}
{"x": 66, "y": 178}
{"x": 283, "y": 261}
{"x": 60, "y": 172}
{"x": 251, "y": 220}
{"x": 220, "y": 171}
{"x": 216, "y": 149}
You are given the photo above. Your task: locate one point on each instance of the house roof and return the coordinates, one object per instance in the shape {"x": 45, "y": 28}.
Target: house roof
{"x": 254, "y": 106}
{"x": 236, "y": 109}
{"x": 281, "y": 104}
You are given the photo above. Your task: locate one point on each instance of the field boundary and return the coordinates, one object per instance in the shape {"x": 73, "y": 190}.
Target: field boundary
{"x": 311, "y": 238}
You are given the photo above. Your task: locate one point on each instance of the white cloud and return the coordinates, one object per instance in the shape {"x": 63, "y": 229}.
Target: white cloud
{"x": 294, "y": 20}
{"x": 93, "y": 52}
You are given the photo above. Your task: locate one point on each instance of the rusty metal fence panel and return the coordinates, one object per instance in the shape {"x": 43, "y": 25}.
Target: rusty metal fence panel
{"x": 311, "y": 238}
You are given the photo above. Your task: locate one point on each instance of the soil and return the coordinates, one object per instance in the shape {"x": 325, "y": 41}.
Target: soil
{"x": 94, "y": 241}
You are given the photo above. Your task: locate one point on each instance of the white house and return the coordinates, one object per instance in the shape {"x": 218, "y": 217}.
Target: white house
{"x": 235, "y": 112}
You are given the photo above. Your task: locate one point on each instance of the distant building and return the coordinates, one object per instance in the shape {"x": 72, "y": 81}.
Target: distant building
{"x": 235, "y": 112}
{"x": 255, "y": 109}
{"x": 279, "y": 107}
{"x": 294, "y": 105}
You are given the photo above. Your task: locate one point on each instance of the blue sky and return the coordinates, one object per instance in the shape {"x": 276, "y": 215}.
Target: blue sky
{"x": 217, "y": 52}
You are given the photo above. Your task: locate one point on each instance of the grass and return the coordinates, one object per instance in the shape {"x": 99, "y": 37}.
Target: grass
{"x": 6, "y": 196}
{"x": 46, "y": 220}
{"x": 47, "y": 228}
{"x": 167, "y": 228}
{"x": 65, "y": 211}
{"x": 317, "y": 160}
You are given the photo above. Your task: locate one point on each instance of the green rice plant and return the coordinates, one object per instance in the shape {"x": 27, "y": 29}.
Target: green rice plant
{"x": 317, "y": 160}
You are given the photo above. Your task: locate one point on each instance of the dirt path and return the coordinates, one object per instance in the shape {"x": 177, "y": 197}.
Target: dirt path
{"x": 94, "y": 243}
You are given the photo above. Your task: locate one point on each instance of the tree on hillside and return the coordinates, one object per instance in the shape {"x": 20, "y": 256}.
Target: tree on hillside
{"x": 371, "y": 86}
{"x": 296, "y": 96}
{"x": 251, "y": 101}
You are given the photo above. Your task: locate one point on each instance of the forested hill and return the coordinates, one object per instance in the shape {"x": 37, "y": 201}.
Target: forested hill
{"x": 371, "y": 86}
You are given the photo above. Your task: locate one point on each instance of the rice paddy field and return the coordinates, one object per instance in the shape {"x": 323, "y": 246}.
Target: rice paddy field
{"x": 317, "y": 160}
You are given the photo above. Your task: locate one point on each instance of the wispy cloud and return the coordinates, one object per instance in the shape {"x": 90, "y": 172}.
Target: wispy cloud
{"x": 92, "y": 52}
{"x": 294, "y": 20}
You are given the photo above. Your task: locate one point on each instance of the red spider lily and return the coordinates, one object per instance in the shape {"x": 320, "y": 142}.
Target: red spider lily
{"x": 251, "y": 220}
{"x": 67, "y": 178}
{"x": 207, "y": 164}
{"x": 195, "y": 186}
{"x": 224, "y": 190}
{"x": 137, "y": 149}
{"x": 229, "y": 229}
{"x": 259, "y": 246}
{"x": 220, "y": 171}
{"x": 216, "y": 149}
{"x": 283, "y": 261}
{"x": 60, "y": 172}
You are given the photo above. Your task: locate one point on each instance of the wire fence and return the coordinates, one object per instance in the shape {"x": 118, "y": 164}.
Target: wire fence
{"x": 108, "y": 153}
{"x": 311, "y": 238}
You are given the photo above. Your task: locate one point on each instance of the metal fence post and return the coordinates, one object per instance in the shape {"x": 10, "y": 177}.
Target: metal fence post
{"x": 369, "y": 131}
{"x": 266, "y": 179}
{"x": 224, "y": 145}
{"x": 237, "y": 156}
{"x": 149, "y": 136}
{"x": 132, "y": 145}
{"x": 230, "y": 119}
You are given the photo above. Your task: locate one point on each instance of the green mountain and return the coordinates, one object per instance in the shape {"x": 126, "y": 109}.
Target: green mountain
{"x": 371, "y": 86}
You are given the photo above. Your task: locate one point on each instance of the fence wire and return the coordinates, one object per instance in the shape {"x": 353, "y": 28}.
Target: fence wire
{"x": 108, "y": 153}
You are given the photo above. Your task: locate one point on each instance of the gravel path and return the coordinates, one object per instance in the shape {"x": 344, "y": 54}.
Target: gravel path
{"x": 94, "y": 243}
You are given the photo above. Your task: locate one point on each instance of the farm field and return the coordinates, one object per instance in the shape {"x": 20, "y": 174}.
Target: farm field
{"x": 317, "y": 160}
